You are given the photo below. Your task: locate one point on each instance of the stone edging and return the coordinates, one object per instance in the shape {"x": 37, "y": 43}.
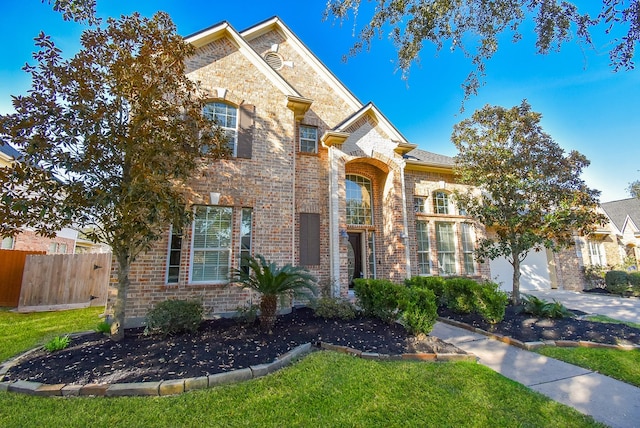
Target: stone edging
{"x": 530, "y": 346}
{"x": 178, "y": 386}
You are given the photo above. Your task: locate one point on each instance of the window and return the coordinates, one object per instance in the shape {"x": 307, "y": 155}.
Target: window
{"x": 7, "y": 243}
{"x": 467, "y": 249}
{"x": 422, "y": 238}
{"x": 420, "y": 204}
{"x": 57, "y": 248}
{"x": 359, "y": 200}
{"x": 226, "y": 116}
{"x": 441, "y": 203}
{"x": 309, "y": 245}
{"x": 173, "y": 262}
{"x": 308, "y": 139}
{"x": 245, "y": 238}
{"x": 445, "y": 238}
{"x": 211, "y": 244}
{"x": 595, "y": 255}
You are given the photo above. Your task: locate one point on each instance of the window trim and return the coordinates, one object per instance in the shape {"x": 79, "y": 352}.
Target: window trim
{"x": 315, "y": 140}
{"x": 454, "y": 252}
{"x": 371, "y": 198}
{"x": 192, "y": 248}
{"x": 226, "y": 129}
{"x": 426, "y": 251}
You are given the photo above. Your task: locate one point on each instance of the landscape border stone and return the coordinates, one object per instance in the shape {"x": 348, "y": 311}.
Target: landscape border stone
{"x": 179, "y": 386}
{"x": 529, "y": 346}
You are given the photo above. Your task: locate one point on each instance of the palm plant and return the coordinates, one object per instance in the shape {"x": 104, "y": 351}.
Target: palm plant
{"x": 272, "y": 283}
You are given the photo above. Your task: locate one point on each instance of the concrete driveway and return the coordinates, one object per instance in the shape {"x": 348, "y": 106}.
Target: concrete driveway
{"x": 625, "y": 309}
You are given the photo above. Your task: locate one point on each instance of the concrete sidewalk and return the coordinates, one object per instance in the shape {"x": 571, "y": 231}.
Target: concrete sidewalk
{"x": 609, "y": 401}
{"x": 620, "y": 308}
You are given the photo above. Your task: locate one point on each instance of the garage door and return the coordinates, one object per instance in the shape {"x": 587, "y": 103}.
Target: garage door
{"x": 534, "y": 272}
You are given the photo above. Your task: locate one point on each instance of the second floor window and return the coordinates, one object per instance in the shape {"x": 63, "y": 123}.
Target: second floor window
{"x": 359, "y": 200}
{"x": 308, "y": 139}
{"x": 225, "y": 116}
{"x": 441, "y": 203}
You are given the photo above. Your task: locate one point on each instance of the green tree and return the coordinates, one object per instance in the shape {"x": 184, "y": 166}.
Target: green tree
{"x": 532, "y": 195}
{"x": 634, "y": 189}
{"x": 274, "y": 282}
{"x": 108, "y": 138}
{"x": 474, "y": 27}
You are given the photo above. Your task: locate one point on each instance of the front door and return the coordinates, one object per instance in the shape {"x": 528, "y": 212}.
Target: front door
{"x": 354, "y": 257}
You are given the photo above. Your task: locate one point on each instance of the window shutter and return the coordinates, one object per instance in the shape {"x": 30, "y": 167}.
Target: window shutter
{"x": 309, "y": 239}
{"x": 245, "y": 131}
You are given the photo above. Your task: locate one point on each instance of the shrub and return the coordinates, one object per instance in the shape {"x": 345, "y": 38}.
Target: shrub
{"x": 419, "y": 310}
{"x": 460, "y": 295}
{"x": 334, "y": 308}
{"x": 58, "y": 343}
{"x": 379, "y": 298}
{"x": 617, "y": 281}
{"x": 491, "y": 303}
{"x": 533, "y": 305}
{"x": 433, "y": 283}
{"x": 174, "y": 316}
{"x": 542, "y": 308}
{"x": 557, "y": 310}
{"x": 634, "y": 281}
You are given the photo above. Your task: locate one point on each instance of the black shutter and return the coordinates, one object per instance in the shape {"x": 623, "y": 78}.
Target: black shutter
{"x": 245, "y": 131}
{"x": 309, "y": 239}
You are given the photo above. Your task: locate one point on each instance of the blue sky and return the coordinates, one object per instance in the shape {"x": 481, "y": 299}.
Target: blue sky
{"x": 585, "y": 105}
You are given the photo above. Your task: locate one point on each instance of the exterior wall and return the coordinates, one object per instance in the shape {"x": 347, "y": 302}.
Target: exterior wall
{"x": 29, "y": 241}
{"x": 568, "y": 269}
{"x": 423, "y": 184}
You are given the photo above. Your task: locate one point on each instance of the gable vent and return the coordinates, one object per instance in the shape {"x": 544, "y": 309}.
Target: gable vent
{"x": 274, "y": 60}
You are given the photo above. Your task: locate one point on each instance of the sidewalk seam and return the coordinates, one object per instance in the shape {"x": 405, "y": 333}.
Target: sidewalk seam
{"x": 560, "y": 379}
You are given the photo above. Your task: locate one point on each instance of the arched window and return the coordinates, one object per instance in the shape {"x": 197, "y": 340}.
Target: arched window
{"x": 226, "y": 116}
{"x": 359, "y": 200}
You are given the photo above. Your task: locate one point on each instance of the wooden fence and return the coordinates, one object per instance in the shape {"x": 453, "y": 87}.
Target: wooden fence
{"x": 11, "y": 268}
{"x": 64, "y": 281}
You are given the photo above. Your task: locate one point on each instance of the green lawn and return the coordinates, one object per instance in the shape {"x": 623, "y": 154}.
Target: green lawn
{"x": 323, "y": 389}
{"x": 618, "y": 364}
{"x": 21, "y": 332}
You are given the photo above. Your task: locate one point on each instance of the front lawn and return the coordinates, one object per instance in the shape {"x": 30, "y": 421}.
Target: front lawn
{"x": 618, "y": 364}
{"x": 323, "y": 389}
{"x": 21, "y": 332}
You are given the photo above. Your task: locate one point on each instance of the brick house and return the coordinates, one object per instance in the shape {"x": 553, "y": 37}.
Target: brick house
{"x": 27, "y": 240}
{"x": 317, "y": 179}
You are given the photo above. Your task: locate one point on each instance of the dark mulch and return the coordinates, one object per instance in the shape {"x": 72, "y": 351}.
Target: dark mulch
{"x": 218, "y": 346}
{"x": 529, "y": 328}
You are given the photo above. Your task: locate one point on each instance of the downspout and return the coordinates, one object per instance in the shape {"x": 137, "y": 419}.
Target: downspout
{"x": 293, "y": 198}
{"x": 405, "y": 233}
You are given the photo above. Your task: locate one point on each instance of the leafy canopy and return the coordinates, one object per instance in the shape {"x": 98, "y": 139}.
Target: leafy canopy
{"x": 532, "y": 193}
{"x": 474, "y": 27}
{"x": 108, "y": 139}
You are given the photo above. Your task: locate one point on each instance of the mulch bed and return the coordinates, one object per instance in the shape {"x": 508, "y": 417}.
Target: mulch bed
{"x": 529, "y": 328}
{"x": 218, "y": 346}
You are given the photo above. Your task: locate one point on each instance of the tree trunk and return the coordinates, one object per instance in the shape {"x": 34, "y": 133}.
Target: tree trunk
{"x": 117, "y": 326}
{"x": 515, "y": 296}
{"x": 268, "y": 306}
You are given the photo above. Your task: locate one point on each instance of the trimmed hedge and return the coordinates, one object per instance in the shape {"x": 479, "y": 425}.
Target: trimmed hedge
{"x": 174, "y": 316}
{"x": 617, "y": 282}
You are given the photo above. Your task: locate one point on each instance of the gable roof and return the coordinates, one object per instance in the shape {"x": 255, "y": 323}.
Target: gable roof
{"x": 387, "y": 127}
{"x": 622, "y": 211}
{"x": 224, "y": 29}
{"x": 276, "y": 24}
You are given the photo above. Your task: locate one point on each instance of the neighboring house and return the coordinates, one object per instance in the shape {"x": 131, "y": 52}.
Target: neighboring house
{"x": 27, "y": 240}
{"x": 618, "y": 242}
{"x": 317, "y": 179}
